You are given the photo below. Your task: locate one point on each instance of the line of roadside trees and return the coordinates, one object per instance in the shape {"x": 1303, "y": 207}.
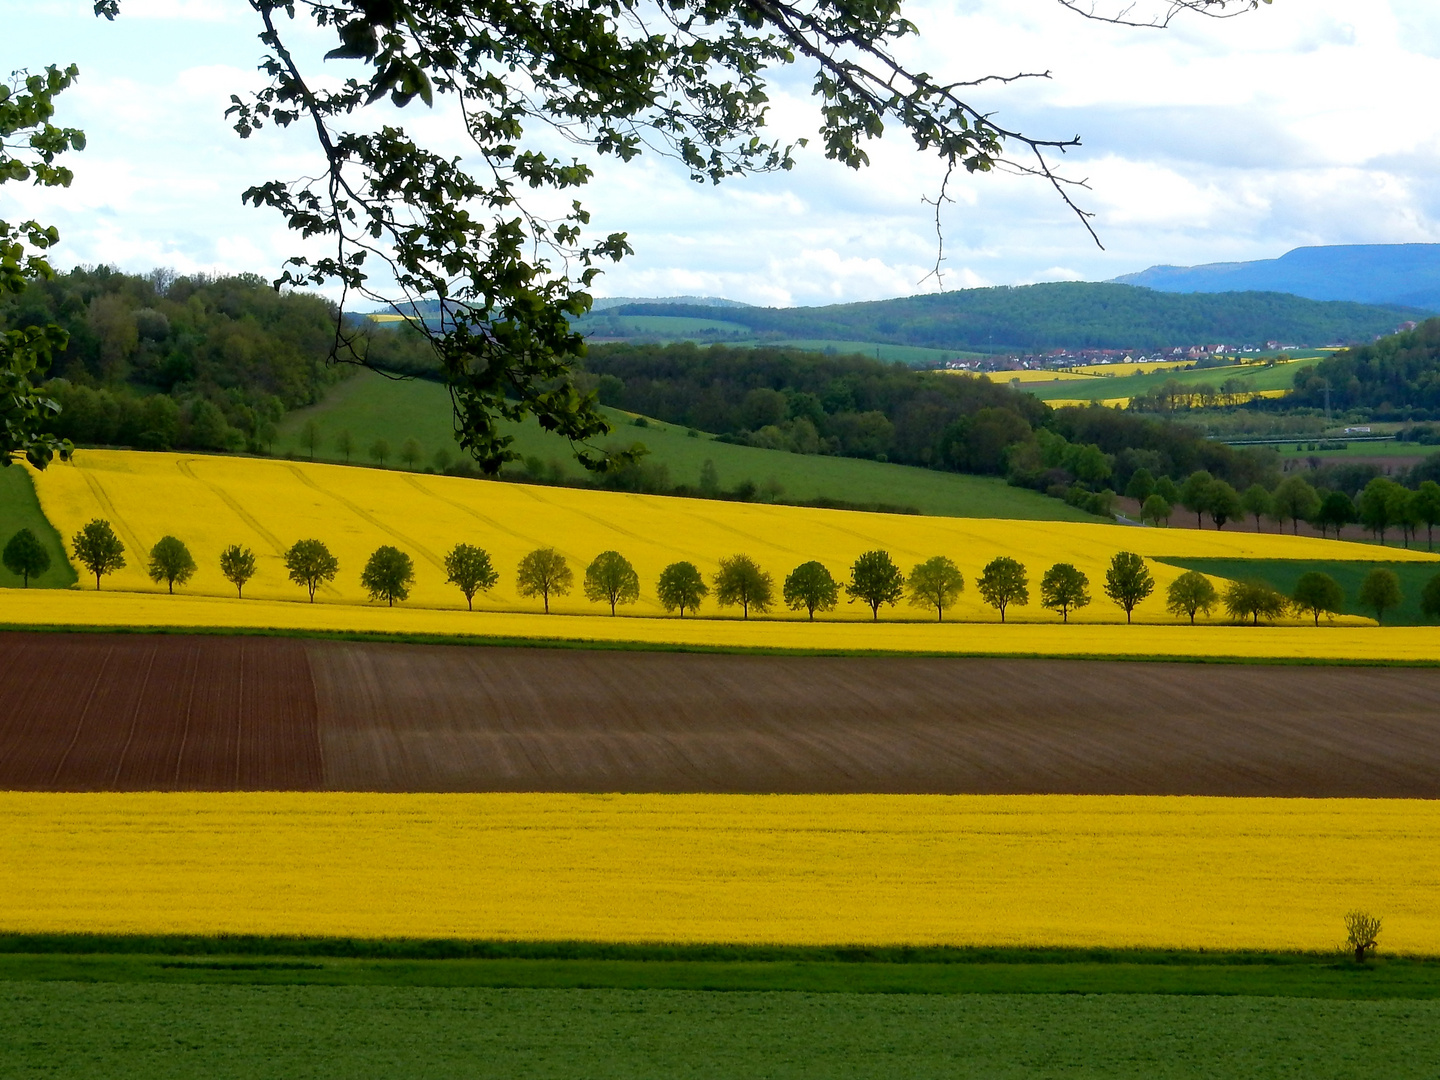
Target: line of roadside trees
{"x": 1381, "y": 507}
{"x": 875, "y": 580}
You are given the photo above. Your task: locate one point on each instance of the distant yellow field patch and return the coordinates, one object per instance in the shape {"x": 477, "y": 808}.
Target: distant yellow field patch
{"x": 961, "y": 870}
{"x": 1027, "y": 376}
{"x": 210, "y": 502}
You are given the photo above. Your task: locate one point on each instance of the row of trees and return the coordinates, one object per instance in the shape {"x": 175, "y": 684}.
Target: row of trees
{"x": 1382, "y": 506}
{"x": 875, "y": 580}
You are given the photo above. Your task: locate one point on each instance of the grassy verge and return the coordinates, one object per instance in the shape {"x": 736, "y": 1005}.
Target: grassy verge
{"x": 371, "y": 407}
{"x": 20, "y": 509}
{"x": 1284, "y": 573}
{"x": 609, "y": 644}
{"x": 732, "y": 968}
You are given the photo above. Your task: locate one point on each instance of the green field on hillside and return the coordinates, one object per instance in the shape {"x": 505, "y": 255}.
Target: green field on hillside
{"x": 19, "y": 509}
{"x": 1252, "y": 376}
{"x": 371, "y": 407}
{"x": 914, "y": 355}
{"x": 1388, "y": 448}
{"x": 1284, "y": 573}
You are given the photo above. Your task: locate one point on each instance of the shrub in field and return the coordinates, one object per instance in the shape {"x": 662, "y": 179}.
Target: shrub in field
{"x": 1189, "y": 593}
{"x": 1255, "y": 600}
{"x": 543, "y": 573}
{"x": 935, "y": 583}
{"x": 310, "y": 564}
{"x": 1128, "y": 581}
{"x": 411, "y": 452}
{"x": 238, "y": 565}
{"x": 1380, "y": 591}
{"x": 1430, "y": 598}
{"x": 1318, "y": 593}
{"x": 1062, "y": 588}
{"x": 876, "y": 580}
{"x": 379, "y": 451}
{"x": 681, "y": 586}
{"x": 25, "y": 556}
{"x": 388, "y": 574}
{"x": 170, "y": 561}
{"x": 1362, "y": 933}
{"x": 811, "y": 587}
{"x": 741, "y": 581}
{"x": 1004, "y": 582}
{"x": 98, "y": 549}
{"x": 469, "y": 568}
{"x": 610, "y": 579}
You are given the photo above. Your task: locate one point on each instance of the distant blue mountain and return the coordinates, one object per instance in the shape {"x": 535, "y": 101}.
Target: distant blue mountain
{"x": 1405, "y": 274}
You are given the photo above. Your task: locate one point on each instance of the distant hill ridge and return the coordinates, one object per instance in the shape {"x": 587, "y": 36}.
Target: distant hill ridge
{"x": 1070, "y": 314}
{"x": 1405, "y": 274}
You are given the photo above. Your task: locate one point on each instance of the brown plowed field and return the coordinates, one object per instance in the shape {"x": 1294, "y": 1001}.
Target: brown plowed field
{"x": 103, "y": 712}
{"x": 97, "y": 712}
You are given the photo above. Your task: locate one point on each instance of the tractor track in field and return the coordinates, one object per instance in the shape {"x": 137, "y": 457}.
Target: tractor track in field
{"x": 202, "y": 712}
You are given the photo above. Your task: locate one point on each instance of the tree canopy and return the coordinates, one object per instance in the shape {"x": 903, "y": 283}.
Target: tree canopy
{"x": 612, "y": 580}
{"x": 935, "y": 583}
{"x": 681, "y": 587}
{"x": 875, "y": 580}
{"x": 469, "y": 568}
{"x": 310, "y": 564}
{"x": 25, "y": 556}
{"x": 543, "y": 573}
{"x": 98, "y": 549}
{"x": 811, "y": 586}
{"x": 170, "y": 562}
{"x": 741, "y": 581}
{"x": 1004, "y": 582}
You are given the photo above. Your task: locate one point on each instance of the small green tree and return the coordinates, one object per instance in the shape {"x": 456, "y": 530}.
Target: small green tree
{"x": 1195, "y": 495}
{"x": 1362, "y": 933}
{"x": 875, "y": 580}
{"x": 681, "y": 586}
{"x": 380, "y": 452}
{"x": 170, "y": 561}
{"x": 1430, "y": 598}
{"x": 98, "y": 549}
{"x": 310, "y": 437}
{"x": 1002, "y": 583}
{"x": 442, "y": 459}
{"x": 1222, "y": 504}
{"x": 469, "y": 568}
{"x": 345, "y": 443}
{"x": 741, "y": 581}
{"x": 1427, "y": 510}
{"x": 543, "y": 573}
{"x": 610, "y": 579}
{"x": 1294, "y": 500}
{"x": 709, "y": 480}
{"x": 1064, "y": 588}
{"x": 1318, "y": 593}
{"x": 811, "y": 587}
{"x": 411, "y": 453}
{"x": 1156, "y": 510}
{"x": 1380, "y": 592}
{"x": 238, "y": 566}
{"x": 25, "y": 556}
{"x": 1257, "y": 503}
{"x": 1167, "y": 490}
{"x": 388, "y": 574}
{"x": 1336, "y": 511}
{"x": 310, "y": 564}
{"x": 1128, "y": 581}
{"x": 1255, "y": 600}
{"x": 935, "y": 583}
{"x": 1189, "y": 593}
{"x": 1141, "y": 485}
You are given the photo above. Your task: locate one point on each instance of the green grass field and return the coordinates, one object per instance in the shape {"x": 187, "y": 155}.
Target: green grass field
{"x": 1253, "y": 377}
{"x": 258, "y": 1008}
{"x": 19, "y": 509}
{"x": 372, "y": 407}
{"x": 1284, "y": 573}
{"x": 1387, "y": 449}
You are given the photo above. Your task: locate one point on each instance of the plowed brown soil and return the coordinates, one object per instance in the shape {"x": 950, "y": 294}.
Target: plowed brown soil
{"x": 122, "y": 712}
{"x": 116, "y": 712}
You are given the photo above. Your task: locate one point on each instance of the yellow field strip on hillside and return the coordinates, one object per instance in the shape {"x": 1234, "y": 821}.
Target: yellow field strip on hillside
{"x": 1352, "y": 641}
{"x": 211, "y": 502}
{"x": 1036, "y": 870}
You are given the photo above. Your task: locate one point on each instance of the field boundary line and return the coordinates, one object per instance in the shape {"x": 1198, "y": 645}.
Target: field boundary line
{"x": 631, "y": 645}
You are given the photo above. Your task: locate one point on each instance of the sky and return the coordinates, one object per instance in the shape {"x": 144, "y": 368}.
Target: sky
{"x": 1305, "y": 122}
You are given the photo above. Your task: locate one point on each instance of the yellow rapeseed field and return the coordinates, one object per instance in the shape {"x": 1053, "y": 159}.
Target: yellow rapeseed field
{"x": 211, "y": 502}
{"x": 1042, "y": 870}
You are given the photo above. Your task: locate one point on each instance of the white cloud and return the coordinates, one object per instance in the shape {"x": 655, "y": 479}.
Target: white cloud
{"x": 1301, "y": 123}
